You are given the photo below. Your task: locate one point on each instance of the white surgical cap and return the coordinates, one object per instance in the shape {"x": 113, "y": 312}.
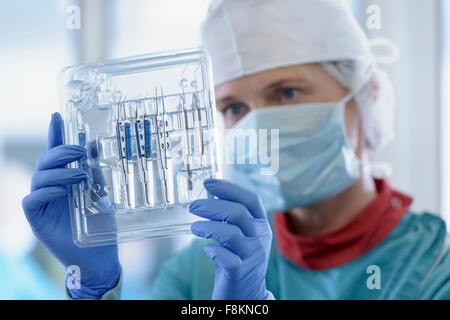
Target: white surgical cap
{"x": 245, "y": 37}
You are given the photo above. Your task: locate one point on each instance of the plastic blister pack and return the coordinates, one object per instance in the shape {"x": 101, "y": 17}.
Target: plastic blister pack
{"x": 147, "y": 123}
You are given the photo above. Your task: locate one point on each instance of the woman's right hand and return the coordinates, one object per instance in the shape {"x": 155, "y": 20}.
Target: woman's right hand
{"x": 47, "y": 211}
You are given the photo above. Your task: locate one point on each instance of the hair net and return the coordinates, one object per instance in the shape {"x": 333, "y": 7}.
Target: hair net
{"x": 374, "y": 99}
{"x": 250, "y": 36}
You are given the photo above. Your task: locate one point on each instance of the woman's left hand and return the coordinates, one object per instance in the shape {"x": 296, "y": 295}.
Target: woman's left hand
{"x": 238, "y": 222}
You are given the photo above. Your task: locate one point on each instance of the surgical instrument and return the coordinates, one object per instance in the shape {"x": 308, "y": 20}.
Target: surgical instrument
{"x": 143, "y": 126}
{"x": 93, "y": 193}
{"x": 198, "y": 117}
{"x": 82, "y": 163}
{"x": 164, "y": 147}
{"x": 123, "y": 128}
{"x": 186, "y": 135}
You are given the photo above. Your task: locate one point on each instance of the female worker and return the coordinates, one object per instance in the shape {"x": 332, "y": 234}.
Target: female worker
{"x": 305, "y": 68}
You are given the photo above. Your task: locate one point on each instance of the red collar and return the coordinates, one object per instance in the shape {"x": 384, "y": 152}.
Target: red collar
{"x": 372, "y": 226}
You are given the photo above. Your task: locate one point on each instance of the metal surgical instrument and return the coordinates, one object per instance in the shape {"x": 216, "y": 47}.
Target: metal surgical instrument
{"x": 164, "y": 147}
{"x": 143, "y": 126}
{"x": 188, "y": 152}
{"x": 123, "y": 128}
{"x": 198, "y": 118}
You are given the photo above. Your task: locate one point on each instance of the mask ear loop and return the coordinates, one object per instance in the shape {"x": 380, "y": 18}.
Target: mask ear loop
{"x": 348, "y": 98}
{"x": 363, "y": 163}
{"x": 355, "y": 92}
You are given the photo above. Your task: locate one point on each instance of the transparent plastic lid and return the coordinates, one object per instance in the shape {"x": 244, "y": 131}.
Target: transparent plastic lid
{"x": 147, "y": 123}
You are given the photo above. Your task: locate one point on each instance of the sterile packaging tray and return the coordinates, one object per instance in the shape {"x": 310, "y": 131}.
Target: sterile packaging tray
{"x": 148, "y": 124}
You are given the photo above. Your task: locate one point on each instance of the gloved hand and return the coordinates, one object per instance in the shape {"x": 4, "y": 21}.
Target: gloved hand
{"x": 239, "y": 223}
{"x": 47, "y": 211}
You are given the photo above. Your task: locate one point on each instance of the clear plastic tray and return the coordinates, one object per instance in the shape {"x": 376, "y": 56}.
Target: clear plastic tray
{"x": 147, "y": 123}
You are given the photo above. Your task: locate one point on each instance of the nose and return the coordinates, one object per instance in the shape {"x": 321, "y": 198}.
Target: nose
{"x": 259, "y": 103}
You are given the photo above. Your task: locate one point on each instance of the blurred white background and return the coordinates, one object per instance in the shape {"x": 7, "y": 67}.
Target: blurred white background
{"x": 35, "y": 44}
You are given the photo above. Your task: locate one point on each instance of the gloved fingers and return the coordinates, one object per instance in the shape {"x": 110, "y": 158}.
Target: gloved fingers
{"x": 55, "y": 131}
{"x": 59, "y": 156}
{"x": 40, "y": 197}
{"x": 227, "y": 235}
{"x": 210, "y": 196}
{"x": 229, "y": 212}
{"x": 223, "y": 258}
{"x": 57, "y": 177}
{"x": 226, "y": 190}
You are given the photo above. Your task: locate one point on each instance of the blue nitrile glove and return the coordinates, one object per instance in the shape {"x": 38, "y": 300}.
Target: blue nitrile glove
{"x": 239, "y": 223}
{"x": 47, "y": 211}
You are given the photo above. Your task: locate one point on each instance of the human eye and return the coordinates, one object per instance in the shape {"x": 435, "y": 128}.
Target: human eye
{"x": 234, "y": 111}
{"x": 288, "y": 95}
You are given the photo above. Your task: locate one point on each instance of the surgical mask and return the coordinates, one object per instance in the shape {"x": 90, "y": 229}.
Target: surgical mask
{"x": 315, "y": 159}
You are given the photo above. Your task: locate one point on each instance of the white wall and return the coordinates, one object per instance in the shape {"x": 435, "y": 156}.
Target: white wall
{"x": 444, "y": 11}
{"x": 416, "y": 151}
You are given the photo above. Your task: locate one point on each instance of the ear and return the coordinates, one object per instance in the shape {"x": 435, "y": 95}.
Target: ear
{"x": 354, "y": 128}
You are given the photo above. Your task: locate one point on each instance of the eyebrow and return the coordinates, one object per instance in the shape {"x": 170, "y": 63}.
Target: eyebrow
{"x": 226, "y": 99}
{"x": 271, "y": 86}
{"x": 281, "y": 81}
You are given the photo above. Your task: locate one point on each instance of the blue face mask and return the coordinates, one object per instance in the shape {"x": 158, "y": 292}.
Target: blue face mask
{"x": 315, "y": 161}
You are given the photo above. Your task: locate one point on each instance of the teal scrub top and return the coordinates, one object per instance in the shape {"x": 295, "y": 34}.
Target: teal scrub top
{"x": 413, "y": 262}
